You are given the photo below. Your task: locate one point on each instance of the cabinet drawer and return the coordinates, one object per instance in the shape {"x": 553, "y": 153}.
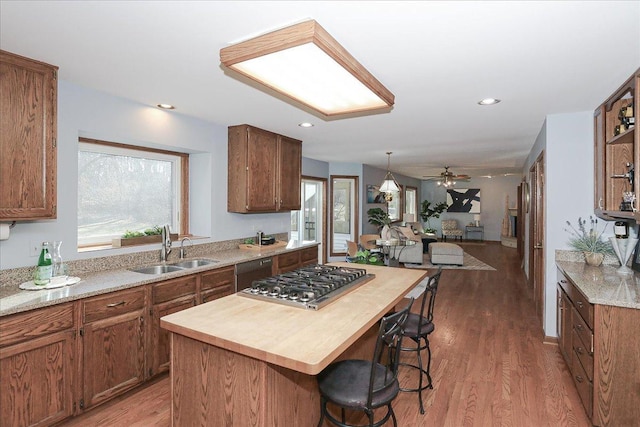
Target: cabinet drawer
{"x": 583, "y": 331}
{"x": 584, "y": 355}
{"x": 36, "y": 323}
{"x": 222, "y": 277}
{"x": 113, "y": 304}
{"x": 215, "y": 293}
{"x": 584, "y": 307}
{"x": 583, "y": 385}
{"x": 309, "y": 255}
{"x": 172, "y": 289}
{"x": 290, "y": 259}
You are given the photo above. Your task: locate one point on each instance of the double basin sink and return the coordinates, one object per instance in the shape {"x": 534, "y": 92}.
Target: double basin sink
{"x": 178, "y": 266}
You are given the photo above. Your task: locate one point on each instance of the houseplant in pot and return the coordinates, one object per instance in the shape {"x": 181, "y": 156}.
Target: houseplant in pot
{"x": 428, "y": 211}
{"x": 381, "y": 219}
{"x": 589, "y": 242}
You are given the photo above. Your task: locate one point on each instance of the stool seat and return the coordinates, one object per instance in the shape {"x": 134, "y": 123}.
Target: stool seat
{"x": 446, "y": 253}
{"x": 348, "y": 384}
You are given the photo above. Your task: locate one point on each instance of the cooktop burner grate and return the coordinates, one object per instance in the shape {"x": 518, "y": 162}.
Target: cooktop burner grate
{"x": 308, "y": 287}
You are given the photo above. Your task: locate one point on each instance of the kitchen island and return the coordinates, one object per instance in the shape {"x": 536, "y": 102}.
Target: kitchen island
{"x": 245, "y": 362}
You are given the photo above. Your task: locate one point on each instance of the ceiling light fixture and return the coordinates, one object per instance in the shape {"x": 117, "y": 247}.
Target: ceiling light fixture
{"x": 488, "y": 101}
{"x": 389, "y": 185}
{"x": 305, "y": 63}
{"x": 305, "y": 125}
{"x": 166, "y": 106}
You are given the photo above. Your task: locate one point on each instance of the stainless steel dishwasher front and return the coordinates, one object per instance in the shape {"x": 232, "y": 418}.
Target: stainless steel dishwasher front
{"x": 249, "y": 271}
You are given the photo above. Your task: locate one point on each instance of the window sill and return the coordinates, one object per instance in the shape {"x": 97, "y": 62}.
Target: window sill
{"x": 103, "y": 247}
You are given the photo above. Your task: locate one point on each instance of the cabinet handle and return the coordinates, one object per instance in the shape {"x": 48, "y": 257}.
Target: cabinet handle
{"x": 600, "y": 203}
{"x": 579, "y": 327}
{"x": 563, "y": 281}
{"x": 579, "y": 304}
{"x": 579, "y": 378}
{"x": 579, "y": 350}
{"x": 115, "y": 304}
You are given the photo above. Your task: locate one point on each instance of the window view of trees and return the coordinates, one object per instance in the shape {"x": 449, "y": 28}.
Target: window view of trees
{"x": 124, "y": 191}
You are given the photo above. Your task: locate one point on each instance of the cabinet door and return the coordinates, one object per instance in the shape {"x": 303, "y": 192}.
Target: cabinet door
{"x": 261, "y": 170}
{"x": 288, "y": 262}
{"x": 217, "y": 284}
{"x": 564, "y": 325}
{"x": 28, "y": 146}
{"x": 289, "y": 173}
{"x": 159, "y": 349}
{"x": 113, "y": 350}
{"x": 599, "y": 161}
{"x": 37, "y": 381}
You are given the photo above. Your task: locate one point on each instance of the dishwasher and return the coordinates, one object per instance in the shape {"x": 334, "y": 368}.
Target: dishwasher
{"x": 249, "y": 271}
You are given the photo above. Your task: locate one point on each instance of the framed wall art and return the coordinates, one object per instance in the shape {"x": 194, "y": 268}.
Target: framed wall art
{"x": 465, "y": 200}
{"x": 374, "y": 195}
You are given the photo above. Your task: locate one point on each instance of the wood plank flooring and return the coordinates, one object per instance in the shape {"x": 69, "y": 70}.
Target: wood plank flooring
{"x": 490, "y": 366}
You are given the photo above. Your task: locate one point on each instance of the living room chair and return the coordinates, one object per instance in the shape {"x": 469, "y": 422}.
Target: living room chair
{"x": 417, "y": 328}
{"x": 450, "y": 229}
{"x": 365, "y": 385}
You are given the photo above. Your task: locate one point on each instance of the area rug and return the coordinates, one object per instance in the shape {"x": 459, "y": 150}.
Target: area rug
{"x": 469, "y": 263}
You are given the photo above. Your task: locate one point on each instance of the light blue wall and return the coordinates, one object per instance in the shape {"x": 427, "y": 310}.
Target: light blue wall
{"x": 89, "y": 113}
{"x": 493, "y": 194}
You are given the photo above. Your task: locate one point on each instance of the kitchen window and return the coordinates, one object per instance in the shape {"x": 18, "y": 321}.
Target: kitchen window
{"x": 127, "y": 188}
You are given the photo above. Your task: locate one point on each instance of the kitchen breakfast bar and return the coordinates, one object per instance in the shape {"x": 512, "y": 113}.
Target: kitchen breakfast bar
{"x": 238, "y": 361}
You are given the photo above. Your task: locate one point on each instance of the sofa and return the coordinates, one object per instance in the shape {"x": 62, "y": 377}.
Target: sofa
{"x": 411, "y": 254}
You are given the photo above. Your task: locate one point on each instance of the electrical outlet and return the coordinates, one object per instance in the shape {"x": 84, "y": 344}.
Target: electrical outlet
{"x": 34, "y": 248}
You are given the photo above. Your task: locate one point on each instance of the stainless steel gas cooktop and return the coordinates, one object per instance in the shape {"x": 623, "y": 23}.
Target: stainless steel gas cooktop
{"x": 308, "y": 287}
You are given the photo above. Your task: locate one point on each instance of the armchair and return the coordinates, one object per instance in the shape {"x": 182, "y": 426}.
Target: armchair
{"x": 450, "y": 229}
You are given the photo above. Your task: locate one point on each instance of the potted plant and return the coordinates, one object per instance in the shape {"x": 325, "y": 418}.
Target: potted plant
{"x": 589, "y": 242}
{"x": 378, "y": 217}
{"x": 427, "y": 212}
{"x": 150, "y": 235}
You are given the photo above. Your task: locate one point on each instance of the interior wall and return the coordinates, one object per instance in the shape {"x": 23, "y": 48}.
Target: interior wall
{"x": 493, "y": 194}
{"x": 89, "y": 113}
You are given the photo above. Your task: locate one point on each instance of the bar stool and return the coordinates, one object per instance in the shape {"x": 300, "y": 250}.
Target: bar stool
{"x": 364, "y": 385}
{"x": 417, "y": 328}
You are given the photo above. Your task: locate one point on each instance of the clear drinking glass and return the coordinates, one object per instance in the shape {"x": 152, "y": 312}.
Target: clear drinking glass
{"x": 56, "y": 259}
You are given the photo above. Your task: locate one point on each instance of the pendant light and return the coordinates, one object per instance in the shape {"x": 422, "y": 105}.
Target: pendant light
{"x": 389, "y": 185}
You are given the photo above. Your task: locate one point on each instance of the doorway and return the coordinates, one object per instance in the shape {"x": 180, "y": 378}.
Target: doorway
{"x": 307, "y": 224}
{"x": 344, "y": 213}
{"x": 536, "y": 234}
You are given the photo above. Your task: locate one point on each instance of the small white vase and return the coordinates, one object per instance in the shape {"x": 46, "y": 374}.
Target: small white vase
{"x": 623, "y": 249}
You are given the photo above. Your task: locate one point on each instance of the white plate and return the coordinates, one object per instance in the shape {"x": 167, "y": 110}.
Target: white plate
{"x": 30, "y": 286}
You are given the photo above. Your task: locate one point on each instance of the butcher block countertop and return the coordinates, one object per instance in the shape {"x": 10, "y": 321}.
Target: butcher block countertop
{"x": 302, "y": 340}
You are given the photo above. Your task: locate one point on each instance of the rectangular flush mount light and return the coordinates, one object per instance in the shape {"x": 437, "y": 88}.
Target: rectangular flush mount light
{"x": 305, "y": 63}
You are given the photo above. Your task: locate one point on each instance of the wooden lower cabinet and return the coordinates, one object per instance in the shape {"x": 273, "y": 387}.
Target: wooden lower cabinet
{"x": 601, "y": 348}
{"x": 37, "y": 351}
{"x": 113, "y": 345}
{"x": 217, "y": 284}
{"x": 290, "y": 261}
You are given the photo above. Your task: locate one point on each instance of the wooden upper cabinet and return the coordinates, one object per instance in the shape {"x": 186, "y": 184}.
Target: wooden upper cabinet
{"x": 617, "y": 153}
{"x": 264, "y": 171}
{"x": 28, "y": 99}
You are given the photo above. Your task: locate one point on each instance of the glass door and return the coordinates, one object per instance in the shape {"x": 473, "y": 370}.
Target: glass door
{"x": 307, "y": 224}
{"x": 344, "y": 213}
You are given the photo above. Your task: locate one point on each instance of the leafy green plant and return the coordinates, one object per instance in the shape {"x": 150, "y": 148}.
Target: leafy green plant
{"x": 427, "y": 212}
{"x": 588, "y": 240}
{"x": 366, "y": 257}
{"x": 377, "y": 216}
{"x": 154, "y": 231}
{"x": 129, "y": 234}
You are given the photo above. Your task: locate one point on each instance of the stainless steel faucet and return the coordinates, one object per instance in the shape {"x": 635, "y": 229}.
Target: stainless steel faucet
{"x": 183, "y": 251}
{"x": 166, "y": 243}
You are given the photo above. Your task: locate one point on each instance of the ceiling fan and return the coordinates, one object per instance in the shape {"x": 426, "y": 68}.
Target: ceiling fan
{"x": 448, "y": 179}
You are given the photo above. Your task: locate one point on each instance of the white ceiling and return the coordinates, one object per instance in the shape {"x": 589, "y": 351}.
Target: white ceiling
{"x": 438, "y": 58}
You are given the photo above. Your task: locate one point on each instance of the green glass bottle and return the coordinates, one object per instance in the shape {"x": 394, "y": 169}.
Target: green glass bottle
{"x": 44, "y": 269}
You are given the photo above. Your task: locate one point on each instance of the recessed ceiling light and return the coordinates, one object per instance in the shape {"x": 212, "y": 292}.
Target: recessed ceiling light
{"x": 305, "y": 125}
{"x": 166, "y": 106}
{"x": 489, "y": 101}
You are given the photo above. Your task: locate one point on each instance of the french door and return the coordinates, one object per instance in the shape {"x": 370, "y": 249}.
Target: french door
{"x": 308, "y": 224}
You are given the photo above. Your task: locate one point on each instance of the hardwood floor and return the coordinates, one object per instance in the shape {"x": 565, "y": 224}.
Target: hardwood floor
{"x": 490, "y": 366}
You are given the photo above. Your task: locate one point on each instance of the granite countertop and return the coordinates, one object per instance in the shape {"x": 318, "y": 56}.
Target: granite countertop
{"x": 603, "y": 285}
{"x": 14, "y": 300}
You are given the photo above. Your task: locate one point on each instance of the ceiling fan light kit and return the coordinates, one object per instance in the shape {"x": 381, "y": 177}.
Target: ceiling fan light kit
{"x": 305, "y": 63}
{"x": 448, "y": 179}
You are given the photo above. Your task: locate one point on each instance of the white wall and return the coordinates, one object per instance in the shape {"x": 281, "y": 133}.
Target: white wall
{"x": 568, "y": 143}
{"x": 89, "y": 113}
{"x": 493, "y": 193}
